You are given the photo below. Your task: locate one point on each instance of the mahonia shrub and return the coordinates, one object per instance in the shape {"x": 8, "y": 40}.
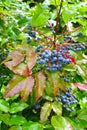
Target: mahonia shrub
{"x": 49, "y": 63}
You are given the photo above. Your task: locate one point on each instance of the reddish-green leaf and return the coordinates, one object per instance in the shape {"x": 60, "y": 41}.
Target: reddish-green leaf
{"x": 31, "y": 57}
{"x": 14, "y": 86}
{"x": 40, "y": 84}
{"x": 21, "y": 69}
{"x": 56, "y": 82}
{"x": 81, "y": 86}
{"x": 54, "y": 78}
{"x": 45, "y": 111}
{"x": 29, "y": 83}
{"x": 13, "y": 59}
{"x": 18, "y": 84}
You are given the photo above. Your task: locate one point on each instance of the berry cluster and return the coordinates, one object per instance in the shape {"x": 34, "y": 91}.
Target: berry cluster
{"x": 68, "y": 99}
{"x": 31, "y": 33}
{"x": 74, "y": 46}
{"x": 55, "y": 59}
{"x": 78, "y": 46}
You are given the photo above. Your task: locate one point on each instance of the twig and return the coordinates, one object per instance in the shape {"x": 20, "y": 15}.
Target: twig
{"x": 41, "y": 34}
{"x": 75, "y": 30}
{"x": 66, "y": 33}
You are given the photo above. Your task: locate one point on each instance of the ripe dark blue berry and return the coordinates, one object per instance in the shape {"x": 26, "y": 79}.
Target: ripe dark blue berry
{"x": 38, "y": 48}
{"x": 79, "y": 34}
{"x": 30, "y": 28}
{"x": 28, "y": 40}
{"x": 32, "y": 34}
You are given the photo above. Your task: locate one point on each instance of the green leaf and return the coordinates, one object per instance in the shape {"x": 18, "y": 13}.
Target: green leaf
{"x": 4, "y": 106}
{"x": 57, "y": 108}
{"x": 48, "y": 89}
{"x": 83, "y": 115}
{"x": 80, "y": 70}
{"x": 45, "y": 111}
{"x": 70, "y": 68}
{"x": 83, "y": 103}
{"x": 60, "y": 123}
{"x": 22, "y": 36}
{"x": 32, "y": 126}
{"x": 81, "y": 123}
{"x": 17, "y": 120}
{"x": 75, "y": 125}
{"x": 16, "y": 107}
{"x": 41, "y": 15}
{"x": 5, "y": 118}
{"x": 15, "y": 128}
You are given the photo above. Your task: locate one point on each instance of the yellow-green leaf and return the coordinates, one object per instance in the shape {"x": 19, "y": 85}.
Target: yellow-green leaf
{"x": 45, "y": 111}
{"x": 57, "y": 108}
{"x": 40, "y": 84}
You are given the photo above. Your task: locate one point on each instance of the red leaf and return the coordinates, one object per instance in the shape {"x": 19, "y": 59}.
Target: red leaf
{"x": 13, "y": 59}
{"x": 19, "y": 84}
{"x": 40, "y": 84}
{"x": 72, "y": 60}
{"x": 81, "y": 86}
{"x": 31, "y": 57}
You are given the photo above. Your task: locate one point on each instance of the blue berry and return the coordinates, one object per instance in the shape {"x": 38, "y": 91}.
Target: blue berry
{"x": 79, "y": 34}
{"x": 30, "y": 28}
{"x": 67, "y": 38}
{"x": 32, "y": 34}
{"x": 38, "y": 48}
{"x": 28, "y": 40}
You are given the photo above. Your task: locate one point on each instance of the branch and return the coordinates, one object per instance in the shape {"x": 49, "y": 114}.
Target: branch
{"x": 57, "y": 20}
{"x": 58, "y": 15}
{"x": 66, "y": 33}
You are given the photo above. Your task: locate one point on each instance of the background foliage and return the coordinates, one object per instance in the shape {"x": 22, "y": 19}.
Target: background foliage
{"x": 47, "y": 113}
